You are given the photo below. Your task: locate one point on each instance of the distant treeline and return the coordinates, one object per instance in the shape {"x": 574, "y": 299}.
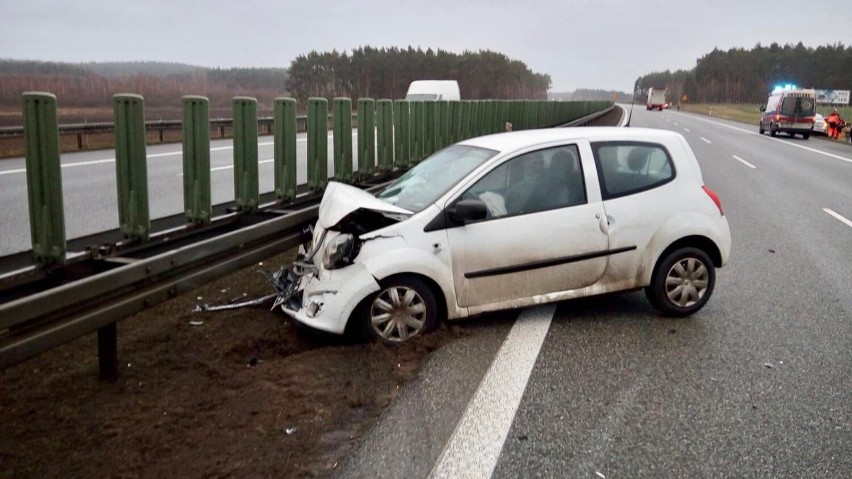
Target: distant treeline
{"x": 748, "y": 76}
{"x": 162, "y": 84}
{"x": 387, "y": 72}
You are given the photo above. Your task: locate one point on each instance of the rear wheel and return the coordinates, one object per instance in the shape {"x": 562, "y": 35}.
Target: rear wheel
{"x": 404, "y": 307}
{"x": 772, "y": 131}
{"x": 683, "y": 282}
{"x": 760, "y": 128}
{"x": 806, "y": 135}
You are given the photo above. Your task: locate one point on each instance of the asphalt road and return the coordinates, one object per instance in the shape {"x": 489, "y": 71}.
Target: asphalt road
{"x": 758, "y": 384}
{"x": 90, "y": 193}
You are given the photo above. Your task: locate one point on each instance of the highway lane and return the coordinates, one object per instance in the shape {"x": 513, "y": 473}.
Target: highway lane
{"x": 758, "y": 384}
{"x": 89, "y": 186}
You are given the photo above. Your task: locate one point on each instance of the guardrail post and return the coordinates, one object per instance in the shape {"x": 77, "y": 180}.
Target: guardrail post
{"x": 317, "y": 143}
{"x": 246, "y": 194}
{"x": 401, "y": 133}
{"x": 44, "y": 178}
{"x": 342, "y": 108}
{"x": 464, "y": 126}
{"x": 418, "y": 130}
{"x": 284, "y": 149}
{"x": 131, "y": 167}
{"x": 366, "y": 136}
{"x": 384, "y": 135}
{"x": 108, "y": 352}
{"x": 196, "y": 159}
{"x": 474, "y": 127}
{"x": 430, "y": 138}
{"x": 454, "y": 113}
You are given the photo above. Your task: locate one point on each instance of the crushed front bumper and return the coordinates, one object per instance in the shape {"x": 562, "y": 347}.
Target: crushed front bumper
{"x": 323, "y": 299}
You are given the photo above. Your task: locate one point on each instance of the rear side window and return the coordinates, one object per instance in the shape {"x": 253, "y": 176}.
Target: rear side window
{"x": 626, "y": 168}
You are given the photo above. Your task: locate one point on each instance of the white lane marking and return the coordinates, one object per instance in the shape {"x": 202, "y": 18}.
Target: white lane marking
{"x": 705, "y": 140}
{"x": 231, "y": 167}
{"x": 475, "y": 445}
{"x": 686, "y": 130}
{"x": 743, "y": 161}
{"x": 153, "y": 155}
{"x": 807, "y": 148}
{"x": 839, "y": 217}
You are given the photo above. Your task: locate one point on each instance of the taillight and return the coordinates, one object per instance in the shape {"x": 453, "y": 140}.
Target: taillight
{"x": 777, "y": 117}
{"x": 713, "y": 196}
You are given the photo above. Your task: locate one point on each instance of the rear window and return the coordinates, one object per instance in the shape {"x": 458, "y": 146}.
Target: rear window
{"x": 626, "y": 168}
{"x": 797, "y": 106}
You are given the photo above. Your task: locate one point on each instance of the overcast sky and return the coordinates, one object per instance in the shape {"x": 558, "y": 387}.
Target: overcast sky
{"x": 603, "y": 44}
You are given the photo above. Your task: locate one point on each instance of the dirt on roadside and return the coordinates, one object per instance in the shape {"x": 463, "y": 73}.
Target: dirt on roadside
{"x": 245, "y": 394}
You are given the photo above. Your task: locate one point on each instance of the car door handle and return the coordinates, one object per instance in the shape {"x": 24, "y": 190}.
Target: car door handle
{"x": 604, "y": 224}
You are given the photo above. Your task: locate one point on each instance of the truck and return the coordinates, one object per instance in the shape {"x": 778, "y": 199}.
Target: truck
{"x": 656, "y": 99}
{"x": 433, "y": 90}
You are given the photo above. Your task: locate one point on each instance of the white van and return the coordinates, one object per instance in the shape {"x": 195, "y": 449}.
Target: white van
{"x": 433, "y": 90}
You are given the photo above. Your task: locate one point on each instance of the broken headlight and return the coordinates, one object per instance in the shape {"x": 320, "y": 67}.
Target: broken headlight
{"x": 337, "y": 251}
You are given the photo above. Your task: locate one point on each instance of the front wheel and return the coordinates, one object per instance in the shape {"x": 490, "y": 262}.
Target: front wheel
{"x": 806, "y": 135}
{"x": 683, "y": 282}
{"x": 404, "y": 307}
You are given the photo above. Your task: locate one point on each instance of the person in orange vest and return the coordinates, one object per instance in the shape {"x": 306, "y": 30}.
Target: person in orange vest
{"x": 834, "y": 124}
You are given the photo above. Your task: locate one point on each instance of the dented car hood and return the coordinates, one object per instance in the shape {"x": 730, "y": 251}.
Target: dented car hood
{"x": 339, "y": 200}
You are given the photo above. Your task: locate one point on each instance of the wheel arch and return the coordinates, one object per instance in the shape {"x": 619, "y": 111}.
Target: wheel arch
{"x": 695, "y": 241}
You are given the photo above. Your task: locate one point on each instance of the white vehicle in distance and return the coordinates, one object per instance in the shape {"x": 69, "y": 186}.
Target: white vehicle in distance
{"x": 433, "y": 90}
{"x": 512, "y": 220}
{"x": 819, "y": 124}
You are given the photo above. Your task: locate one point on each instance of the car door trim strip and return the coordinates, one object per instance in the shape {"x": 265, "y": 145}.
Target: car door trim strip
{"x": 544, "y": 264}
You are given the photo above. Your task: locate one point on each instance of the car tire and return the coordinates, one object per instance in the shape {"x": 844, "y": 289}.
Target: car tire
{"x": 806, "y": 135}
{"x": 772, "y": 131}
{"x": 682, "y": 282}
{"x": 760, "y": 128}
{"x": 404, "y": 307}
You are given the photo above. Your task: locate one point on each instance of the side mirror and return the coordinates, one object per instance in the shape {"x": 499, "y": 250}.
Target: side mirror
{"x": 466, "y": 211}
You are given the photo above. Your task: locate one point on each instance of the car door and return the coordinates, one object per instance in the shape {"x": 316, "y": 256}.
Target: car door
{"x": 542, "y": 234}
{"x": 639, "y": 195}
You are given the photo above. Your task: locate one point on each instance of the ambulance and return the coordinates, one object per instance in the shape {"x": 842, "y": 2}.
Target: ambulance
{"x": 791, "y": 111}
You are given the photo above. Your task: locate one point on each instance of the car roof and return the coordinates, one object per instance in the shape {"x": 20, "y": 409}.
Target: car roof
{"x": 506, "y": 142}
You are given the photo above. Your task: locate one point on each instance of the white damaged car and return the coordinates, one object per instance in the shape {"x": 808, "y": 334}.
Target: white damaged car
{"x": 512, "y": 220}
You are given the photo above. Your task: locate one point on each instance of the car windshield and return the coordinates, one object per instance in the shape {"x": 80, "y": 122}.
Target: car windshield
{"x": 425, "y": 183}
{"x": 793, "y": 106}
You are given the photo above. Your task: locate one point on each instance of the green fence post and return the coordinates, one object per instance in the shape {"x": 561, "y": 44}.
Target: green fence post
{"x": 366, "y": 136}
{"x": 44, "y": 178}
{"x": 384, "y": 135}
{"x": 131, "y": 167}
{"x": 482, "y": 118}
{"x": 473, "y": 125}
{"x": 418, "y": 130}
{"x": 429, "y": 124}
{"x": 196, "y": 159}
{"x": 441, "y": 124}
{"x": 454, "y": 115}
{"x": 317, "y": 143}
{"x": 342, "y": 108}
{"x": 284, "y": 148}
{"x": 246, "y": 194}
{"x": 464, "y": 126}
{"x": 401, "y": 133}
